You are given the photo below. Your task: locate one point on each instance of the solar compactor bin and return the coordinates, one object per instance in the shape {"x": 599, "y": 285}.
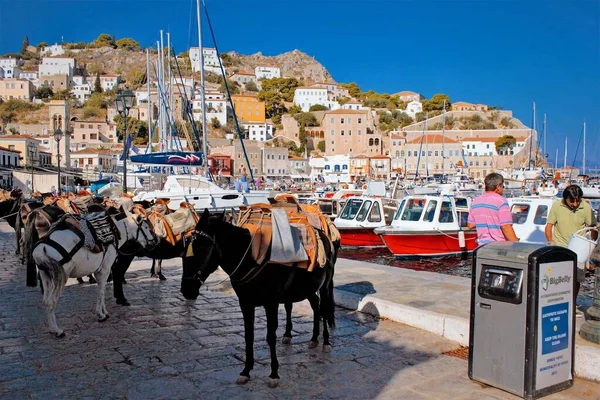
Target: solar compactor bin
{"x": 523, "y": 318}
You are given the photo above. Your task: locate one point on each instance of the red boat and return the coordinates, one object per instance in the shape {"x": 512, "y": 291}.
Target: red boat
{"x": 360, "y": 217}
{"x": 429, "y": 226}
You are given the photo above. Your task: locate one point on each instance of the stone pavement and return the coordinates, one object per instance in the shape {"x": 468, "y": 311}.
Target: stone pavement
{"x": 166, "y": 347}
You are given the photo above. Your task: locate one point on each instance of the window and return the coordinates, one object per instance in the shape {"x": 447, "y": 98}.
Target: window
{"x": 360, "y": 120}
{"x": 371, "y": 142}
{"x": 349, "y": 132}
{"x": 397, "y": 153}
{"x": 351, "y": 208}
{"x": 519, "y": 213}
{"x": 359, "y": 132}
{"x": 446, "y": 212}
{"x": 413, "y": 210}
{"x": 541, "y": 215}
{"x": 332, "y": 120}
{"x": 90, "y": 126}
{"x": 430, "y": 211}
{"x": 332, "y": 132}
{"x": 342, "y": 132}
{"x": 362, "y": 214}
{"x": 83, "y": 136}
{"x": 341, "y": 120}
{"x": 436, "y": 153}
{"x": 375, "y": 214}
{"x": 429, "y": 153}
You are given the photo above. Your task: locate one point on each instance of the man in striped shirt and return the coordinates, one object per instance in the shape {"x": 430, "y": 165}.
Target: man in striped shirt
{"x": 490, "y": 214}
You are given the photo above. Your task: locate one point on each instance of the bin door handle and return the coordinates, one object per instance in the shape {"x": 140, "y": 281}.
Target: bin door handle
{"x": 500, "y": 272}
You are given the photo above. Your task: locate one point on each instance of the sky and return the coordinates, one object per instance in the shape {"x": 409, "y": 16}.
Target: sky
{"x": 508, "y": 53}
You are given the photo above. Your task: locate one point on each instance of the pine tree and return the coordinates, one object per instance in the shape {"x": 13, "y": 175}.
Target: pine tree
{"x": 25, "y": 45}
{"x": 97, "y": 85}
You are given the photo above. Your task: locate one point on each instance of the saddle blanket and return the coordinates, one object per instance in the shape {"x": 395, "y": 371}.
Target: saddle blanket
{"x": 173, "y": 226}
{"x": 99, "y": 225}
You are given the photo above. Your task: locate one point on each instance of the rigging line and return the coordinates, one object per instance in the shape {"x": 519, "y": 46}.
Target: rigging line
{"x": 576, "y": 151}
{"x": 168, "y": 111}
{"x": 235, "y": 119}
{"x": 190, "y": 25}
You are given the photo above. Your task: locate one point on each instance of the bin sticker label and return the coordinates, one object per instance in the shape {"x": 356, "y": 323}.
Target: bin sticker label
{"x": 555, "y": 323}
{"x": 555, "y": 328}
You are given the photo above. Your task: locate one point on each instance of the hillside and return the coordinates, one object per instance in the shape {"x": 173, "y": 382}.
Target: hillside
{"x": 292, "y": 64}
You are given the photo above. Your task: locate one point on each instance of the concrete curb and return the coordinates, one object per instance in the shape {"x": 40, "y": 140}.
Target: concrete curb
{"x": 587, "y": 357}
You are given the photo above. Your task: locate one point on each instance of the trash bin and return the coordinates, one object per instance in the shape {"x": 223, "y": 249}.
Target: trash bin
{"x": 522, "y": 318}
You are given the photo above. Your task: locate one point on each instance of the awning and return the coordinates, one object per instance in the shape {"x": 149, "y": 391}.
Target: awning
{"x": 296, "y": 176}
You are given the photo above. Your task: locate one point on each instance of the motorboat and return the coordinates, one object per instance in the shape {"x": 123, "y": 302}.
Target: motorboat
{"x": 203, "y": 193}
{"x": 359, "y": 218}
{"x": 529, "y": 215}
{"x": 430, "y": 226}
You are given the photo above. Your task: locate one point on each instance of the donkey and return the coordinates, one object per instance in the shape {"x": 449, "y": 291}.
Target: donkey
{"x": 10, "y": 202}
{"x": 218, "y": 243}
{"x": 61, "y": 254}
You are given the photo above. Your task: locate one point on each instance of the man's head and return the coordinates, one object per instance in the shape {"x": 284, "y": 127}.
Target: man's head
{"x": 494, "y": 182}
{"x": 572, "y": 196}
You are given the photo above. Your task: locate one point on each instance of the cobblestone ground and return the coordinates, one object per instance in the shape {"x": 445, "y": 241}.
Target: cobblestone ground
{"x": 166, "y": 347}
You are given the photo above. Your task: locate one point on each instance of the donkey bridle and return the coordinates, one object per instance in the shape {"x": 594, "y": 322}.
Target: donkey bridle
{"x": 214, "y": 246}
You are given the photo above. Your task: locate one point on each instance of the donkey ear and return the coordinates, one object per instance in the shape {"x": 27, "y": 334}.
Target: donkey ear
{"x": 203, "y": 222}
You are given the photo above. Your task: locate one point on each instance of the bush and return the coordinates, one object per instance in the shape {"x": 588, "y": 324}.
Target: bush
{"x": 318, "y": 107}
{"x": 89, "y": 112}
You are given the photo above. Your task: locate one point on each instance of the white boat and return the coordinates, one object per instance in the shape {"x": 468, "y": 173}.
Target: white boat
{"x": 203, "y": 193}
{"x": 429, "y": 226}
{"x": 529, "y": 215}
{"x": 359, "y": 218}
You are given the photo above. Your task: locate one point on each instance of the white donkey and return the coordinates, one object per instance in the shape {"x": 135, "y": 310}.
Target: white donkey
{"x": 61, "y": 255}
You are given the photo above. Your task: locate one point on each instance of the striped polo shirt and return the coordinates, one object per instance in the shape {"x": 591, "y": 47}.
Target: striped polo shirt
{"x": 489, "y": 212}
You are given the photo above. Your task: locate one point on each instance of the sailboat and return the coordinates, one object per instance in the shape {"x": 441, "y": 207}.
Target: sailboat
{"x": 181, "y": 184}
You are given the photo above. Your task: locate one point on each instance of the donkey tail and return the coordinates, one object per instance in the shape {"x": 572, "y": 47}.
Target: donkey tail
{"x": 328, "y": 304}
{"x": 30, "y": 238}
{"x": 57, "y": 279}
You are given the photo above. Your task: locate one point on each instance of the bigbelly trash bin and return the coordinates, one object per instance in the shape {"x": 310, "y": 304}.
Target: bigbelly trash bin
{"x": 522, "y": 318}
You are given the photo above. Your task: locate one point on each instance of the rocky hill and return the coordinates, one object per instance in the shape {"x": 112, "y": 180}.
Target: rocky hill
{"x": 292, "y": 64}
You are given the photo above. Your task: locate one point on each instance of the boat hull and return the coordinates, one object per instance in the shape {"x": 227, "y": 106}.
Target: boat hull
{"x": 360, "y": 237}
{"x": 428, "y": 244}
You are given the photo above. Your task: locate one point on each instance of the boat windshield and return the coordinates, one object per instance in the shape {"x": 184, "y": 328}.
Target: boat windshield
{"x": 446, "y": 213}
{"x": 413, "y": 210}
{"x": 351, "y": 209}
{"x": 399, "y": 211}
{"x": 461, "y": 202}
{"x": 541, "y": 215}
{"x": 362, "y": 214}
{"x": 519, "y": 213}
{"x": 192, "y": 183}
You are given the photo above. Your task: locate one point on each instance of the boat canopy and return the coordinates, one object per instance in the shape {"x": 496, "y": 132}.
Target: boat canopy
{"x": 170, "y": 158}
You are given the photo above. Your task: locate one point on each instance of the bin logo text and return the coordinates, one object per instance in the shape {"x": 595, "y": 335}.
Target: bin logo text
{"x": 548, "y": 280}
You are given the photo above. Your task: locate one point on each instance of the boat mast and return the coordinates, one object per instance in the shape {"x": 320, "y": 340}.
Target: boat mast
{"x": 531, "y": 136}
{"x": 161, "y": 73}
{"x": 565, "y": 162}
{"x": 584, "y": 147}
{"x": 443, "y": 125}
{"x": 202, "y": 93}
{"x": 545, "y": 132}
{"x": 170, "y": 88}
{"x": 556, "y": 162}
{"x": 150, "y": 130}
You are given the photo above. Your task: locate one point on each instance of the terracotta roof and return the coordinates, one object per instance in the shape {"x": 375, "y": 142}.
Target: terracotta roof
{"x": 432, "y": 139}
{"x": 12, "y": 137}
{"x": 7, "y": 149}
{"x": 95, "y": 151}
{"x": 397, "y": 136}
{"x": 43, "y": 137}
{"x": 219, "y": 155}
{"x": 243, "y": 73}
{"x": 379, "y": 157}
{"x": 245, "y": 94}
{"x": 405, "y": 93}
{"x": 463, "y": 102}
{"x": 341, "y": 111}
{"x": 297, "y": 158}
{"x": 310, "y": 87}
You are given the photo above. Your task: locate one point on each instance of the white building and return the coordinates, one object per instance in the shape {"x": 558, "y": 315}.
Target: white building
{"x": 9, "y": 68}
{"x": 316, "y": 164}
{"x": 333, "y": 90}
{"x": 353, "y": 105}
{"x": 29, "y": 75}
{"x": 91, "y": 159}
{"x": 54, "y": 50}
{"x": 242, "y": 78}
{"x": 413, "y": 107}
{"x": 306, "y": 96}
{"x": 259, "y": 132}
{"x": 82, "y": 91}
{"x": 9, "y": 158}
{"x": 267, "y": 72}
{"x": 211, "y": 60}
{"x": 57, "y": 66}
{"x": 486, "y": 146}
{"x": 335, "y": 169}
{"x": 109, "y": 82}
{"x": 78, "y": 80}
{"x": 216, "y": 107}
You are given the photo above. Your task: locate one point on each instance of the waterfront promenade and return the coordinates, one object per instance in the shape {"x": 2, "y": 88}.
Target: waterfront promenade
{"x": 166, "y": 347}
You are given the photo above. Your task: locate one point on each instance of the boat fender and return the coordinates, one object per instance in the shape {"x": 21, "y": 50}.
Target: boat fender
{"x": 461, "y": 239}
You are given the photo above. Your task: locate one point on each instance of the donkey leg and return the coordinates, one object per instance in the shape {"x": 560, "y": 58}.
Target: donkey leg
{"x": 52, "y": 321}
{"x": 152, "y": 269}
{"x": 102, "y": 276}
{"x": 159, "y": 271}
{"x": 314, "y": 301}
{"x": 91, "y": 279}
{"x": 287, "y": 335}
{"x": 118, "y": 272}
{"x": 271, "y": 310}
{"x": 248, "y": 313}
{"x": 50, "y": 301}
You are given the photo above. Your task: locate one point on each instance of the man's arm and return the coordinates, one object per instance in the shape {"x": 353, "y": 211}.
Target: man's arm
{"x": 509, "y": 233}
{"x": 548, "y": 232}
{"x": 471, "y": 225}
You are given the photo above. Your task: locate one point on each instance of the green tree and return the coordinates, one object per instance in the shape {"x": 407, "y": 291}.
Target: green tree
{"x": 506, "y": 122}
{"x": 98, "y": 100}
{"x": 135, "y": 128}
{"x": 44, "y": 92}
{"x": 286, "y": 87}
{"x": 41, "y": 44}
{"x": 128, "y": 44}
{"x": 342, "y": 100}
{"x": 306, "y": 119}
{"x": 64, "y": 94}
{"x": 233, "y": 87}
{"x": 6, "y": 116}
{"x": 251, "y": 86}
{"x": 321, "y": 146}
{"x": 25, "y": 45}
{"x": 353, "y": 89}
{"x": 505, "y": 142}
{"x": 420, "y": 116}
{"x": 90, "y": 112}
{"x": 294, "y": 110}
{"x": 273, "y": 102}
{"x": 135, "y": 77}
{"x": 97, "y": 85}
{"x": 215, "y": 123}
{"x": 226, "y": 59}
{"x": 103, "y": 40}
{"x": 318, "y": 107}
{"x": 437, "y": 103}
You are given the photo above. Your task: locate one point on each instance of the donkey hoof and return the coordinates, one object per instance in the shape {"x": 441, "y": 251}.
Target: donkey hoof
{"x": 273, "y": 383}
{"x": 162, "y": 277}
{"x": 92, "y": 280}
{"x": 154, "y": 276}
{"x": 80, "y": 280}
{"x": 312, "y": 344}
{"x": 286, "y": 340}
{"x": 102, "y": 319}
{"x": 61, "y": 334}
{"x": 242, "y": 380}
{"x": 123, "y": 302}
{"x": 326, "y": 348}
